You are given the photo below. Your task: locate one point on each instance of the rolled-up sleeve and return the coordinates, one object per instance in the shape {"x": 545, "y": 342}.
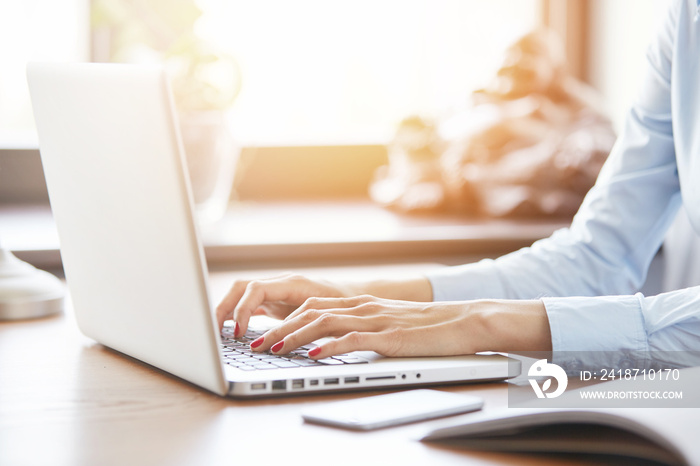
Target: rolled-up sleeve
{"x": 587, "y": 274}
{"x": 602, "y": 323}
{"x": 666, "y": 322}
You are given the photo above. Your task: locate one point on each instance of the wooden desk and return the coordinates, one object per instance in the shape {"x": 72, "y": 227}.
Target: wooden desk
{"x": 66, "y": 400}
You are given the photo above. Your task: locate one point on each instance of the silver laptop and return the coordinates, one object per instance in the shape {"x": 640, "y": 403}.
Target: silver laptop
{"x": 120, "y": 195}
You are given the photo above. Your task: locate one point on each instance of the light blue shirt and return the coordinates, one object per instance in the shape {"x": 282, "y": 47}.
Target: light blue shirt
{"x": 586, "y": 274}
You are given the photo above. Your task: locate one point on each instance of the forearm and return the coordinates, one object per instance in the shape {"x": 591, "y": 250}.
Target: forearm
{"x": 489, "y": 325}
{"x": 411, "y": 289}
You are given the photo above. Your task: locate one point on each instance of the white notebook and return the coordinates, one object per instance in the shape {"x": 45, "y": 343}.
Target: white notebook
{"x": 666, "y": 435}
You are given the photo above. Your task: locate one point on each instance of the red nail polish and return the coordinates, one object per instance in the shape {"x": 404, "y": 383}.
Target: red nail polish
{"x": 236, "y": 330}
{"x": 257, "y": 342}
{"x": 314, "y": 352}
{"x": 277, "y": 346}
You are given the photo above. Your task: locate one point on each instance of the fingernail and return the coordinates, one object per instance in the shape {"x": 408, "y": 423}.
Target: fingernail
{"x": 257, "y": 342}
{"x": 277, "y": 346}
{"x": 315, "y": 351}
{"x": 236, "y": 330}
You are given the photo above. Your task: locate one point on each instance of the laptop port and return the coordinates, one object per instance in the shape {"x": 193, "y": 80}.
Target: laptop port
{"x": 334, "y": 381}
{"x": 381, "y": 377}
{"x": 298, "y": 383}
{"x": 313, "y": 382}
{"x": 352, "y": 380}
{"x": 258, "y": 386}
{"x": 279, "y": 384}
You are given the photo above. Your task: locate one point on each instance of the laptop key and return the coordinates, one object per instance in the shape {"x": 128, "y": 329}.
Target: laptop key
{"x": 264, "y": 366}
{"x": 306, "y": 362}
{"x": 238, "y": 345}
{"x": 330, "y": 361}
{"x": 284, "y": 364}
{"x": 349, "y": 360}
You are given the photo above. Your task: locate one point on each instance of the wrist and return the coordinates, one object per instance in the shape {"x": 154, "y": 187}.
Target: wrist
{"x": 512, "y": 325}
{"x": 413, "y": 289}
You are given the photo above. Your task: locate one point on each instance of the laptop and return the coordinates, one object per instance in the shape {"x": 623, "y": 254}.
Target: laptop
{"x": 135, "y": 268}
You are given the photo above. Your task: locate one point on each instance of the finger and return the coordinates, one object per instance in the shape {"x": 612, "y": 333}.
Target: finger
{"x": 432, "y": 340}
{"x": 257, "y": 293}
{"x": 353, "y": 341}
{"x": 316, "y": 319}
{"x": 277, "y": 334}
{"x": 308, "y": 328}
{"x": 319, "y": 303}
{"x": 225, "y": 308}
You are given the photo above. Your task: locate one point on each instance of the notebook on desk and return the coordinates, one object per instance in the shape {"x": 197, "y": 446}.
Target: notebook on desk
{"x": 121, "y": 199}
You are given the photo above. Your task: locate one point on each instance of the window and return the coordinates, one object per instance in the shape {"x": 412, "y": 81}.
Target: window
{"x": 39, "y": 30}
{"x": 314, "y": 71}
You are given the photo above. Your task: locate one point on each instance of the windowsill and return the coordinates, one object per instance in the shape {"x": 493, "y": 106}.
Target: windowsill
{"x": 308, "y": 232}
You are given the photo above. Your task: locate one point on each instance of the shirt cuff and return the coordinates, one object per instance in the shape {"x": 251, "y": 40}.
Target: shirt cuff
{"x": 607, "y": 323}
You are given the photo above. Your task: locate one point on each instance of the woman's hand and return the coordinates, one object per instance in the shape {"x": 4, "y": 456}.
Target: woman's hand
{"x": 400, "y": 323}
{"x": 276, "y": 297}
{"x": 406, "y": 328}
{"x": 279, "y": 296}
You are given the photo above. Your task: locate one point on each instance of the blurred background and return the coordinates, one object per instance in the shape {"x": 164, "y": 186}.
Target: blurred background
{"x": 317, "y": 72}
{"x": 333, "y": 101}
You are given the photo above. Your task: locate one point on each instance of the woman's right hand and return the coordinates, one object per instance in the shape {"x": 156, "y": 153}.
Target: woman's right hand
{"x": 275, "y": 297}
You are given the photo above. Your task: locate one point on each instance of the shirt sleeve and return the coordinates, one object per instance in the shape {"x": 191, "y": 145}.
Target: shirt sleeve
{"x": 586, "y": 274}
{"x": 666, "y": 322}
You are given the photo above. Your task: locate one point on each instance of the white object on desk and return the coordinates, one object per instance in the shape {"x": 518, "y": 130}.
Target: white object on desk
{"x": 27, "y": 292}
{"x": 392, "y": 409}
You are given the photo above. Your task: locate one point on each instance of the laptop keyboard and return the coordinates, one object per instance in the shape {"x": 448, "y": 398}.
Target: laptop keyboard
{"x": 237, "y": 353}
